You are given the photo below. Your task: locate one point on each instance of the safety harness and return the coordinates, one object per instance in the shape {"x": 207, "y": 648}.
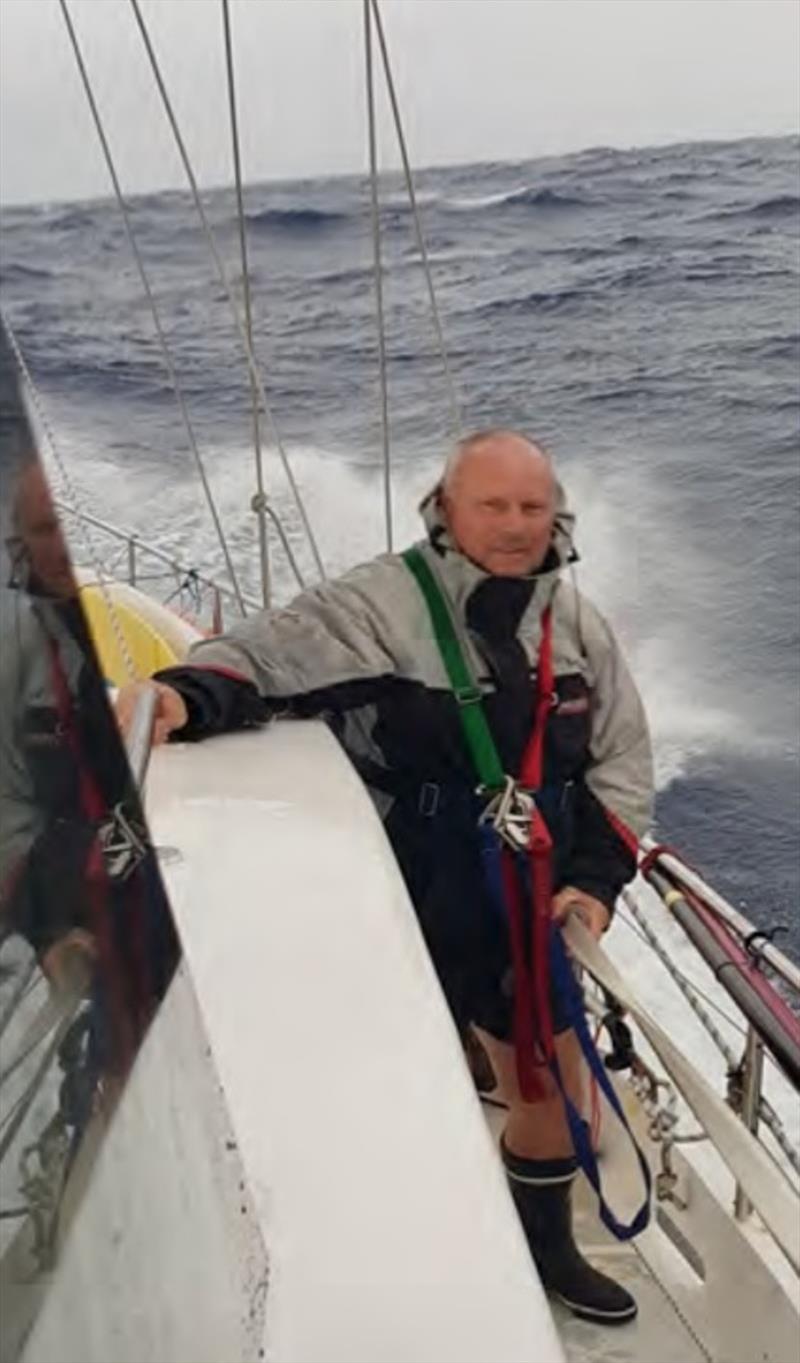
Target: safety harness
{"x": 517, "y": 852}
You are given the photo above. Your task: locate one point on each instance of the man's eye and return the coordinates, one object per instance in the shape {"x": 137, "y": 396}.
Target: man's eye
{"x": 494, "y": 504}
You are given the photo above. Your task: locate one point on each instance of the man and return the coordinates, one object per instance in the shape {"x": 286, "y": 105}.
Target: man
{"x": 361, "y": 651}
{"x": 63, "y": 772}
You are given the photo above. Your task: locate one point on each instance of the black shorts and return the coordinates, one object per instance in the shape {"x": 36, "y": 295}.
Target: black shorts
{"x": 492, "y": 1010}
{"x": 465, "y": 930}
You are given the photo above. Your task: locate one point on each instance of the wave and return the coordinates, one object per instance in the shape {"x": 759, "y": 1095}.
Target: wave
{"x": 9, "y": 274}
{"x": 779, "y": 207}
{"x": 294, "y": 219}
{"x": 73, "y": 220}
{"x": 555, "y": 300}
{"x": 525, "y": 196}
{"x": 400, "y": 201}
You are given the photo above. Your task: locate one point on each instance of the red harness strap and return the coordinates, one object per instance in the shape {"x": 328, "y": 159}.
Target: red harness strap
{"x": 533, "y": 1020}
{"x": 97, "y": 885}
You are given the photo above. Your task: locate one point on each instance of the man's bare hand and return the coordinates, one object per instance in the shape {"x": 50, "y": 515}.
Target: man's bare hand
{"x": 170, "y": 713}
{"x": 594, "y": 914}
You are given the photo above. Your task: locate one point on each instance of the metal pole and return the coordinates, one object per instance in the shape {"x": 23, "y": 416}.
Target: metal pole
{"x": 378, "y": 274}
{"x": 750, "y": 989}
{"x": 686, "y": 876}
{"x": 139, "y": 739}
{"x": 132, "y": 560}
{"x": 259, "y": 502}
{"x": 752, "y": 1076}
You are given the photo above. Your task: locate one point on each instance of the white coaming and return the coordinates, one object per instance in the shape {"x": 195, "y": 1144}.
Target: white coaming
{"x": 375, "y": 1208}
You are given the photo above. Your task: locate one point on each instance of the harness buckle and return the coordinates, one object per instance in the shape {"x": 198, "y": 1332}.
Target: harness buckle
{"x": 468, "y": 695}
{"x": 510, "y": 812}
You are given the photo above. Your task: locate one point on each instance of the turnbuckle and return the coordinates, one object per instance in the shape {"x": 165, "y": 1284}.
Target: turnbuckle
{"x": 510, "y": 812}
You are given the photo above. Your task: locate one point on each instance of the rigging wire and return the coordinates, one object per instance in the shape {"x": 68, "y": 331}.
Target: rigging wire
{"x": 165, "y": 349}
{"x": 259, "y": 501}
{"x": 223, "y": 278}
{"x": 378, "y": 274}
{"x": 421, "y": 247}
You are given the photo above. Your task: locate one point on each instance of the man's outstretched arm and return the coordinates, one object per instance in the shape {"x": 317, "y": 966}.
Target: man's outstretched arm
{"x": 329, "y": 650}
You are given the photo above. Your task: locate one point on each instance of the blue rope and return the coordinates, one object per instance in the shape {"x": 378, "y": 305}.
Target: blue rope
{"x": 564, "y": 984}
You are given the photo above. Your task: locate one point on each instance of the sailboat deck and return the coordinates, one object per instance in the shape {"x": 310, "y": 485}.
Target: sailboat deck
{"x": 658, "y": 1335}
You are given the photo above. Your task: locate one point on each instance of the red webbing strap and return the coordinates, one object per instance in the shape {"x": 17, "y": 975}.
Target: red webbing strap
{"x": 541, "y": 861}
{"x": 96, "y": 876}
{"x": 541, "y": 843}
{"x": 92, "y": 802}
{"x": 532, "y": 769}
{"x": 524, "y": 1024}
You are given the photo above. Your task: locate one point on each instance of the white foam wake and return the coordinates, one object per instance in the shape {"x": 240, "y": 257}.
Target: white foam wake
{"x": 636, "y": 564}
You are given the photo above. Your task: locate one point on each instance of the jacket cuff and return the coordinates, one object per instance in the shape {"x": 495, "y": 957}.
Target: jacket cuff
{"x": 215, "y": 701}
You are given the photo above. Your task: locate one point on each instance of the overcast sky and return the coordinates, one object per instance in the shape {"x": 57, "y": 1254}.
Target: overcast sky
{"x": 478, "y": 79}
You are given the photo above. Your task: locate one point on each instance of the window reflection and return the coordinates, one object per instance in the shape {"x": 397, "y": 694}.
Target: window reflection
{"x": 87, "y": 944}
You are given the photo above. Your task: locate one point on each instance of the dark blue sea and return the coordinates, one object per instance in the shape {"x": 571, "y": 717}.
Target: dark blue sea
{"x": 638, "y": 311}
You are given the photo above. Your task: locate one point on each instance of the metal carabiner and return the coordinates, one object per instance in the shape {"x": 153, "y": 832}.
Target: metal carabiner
{"x": 510, "y": 812}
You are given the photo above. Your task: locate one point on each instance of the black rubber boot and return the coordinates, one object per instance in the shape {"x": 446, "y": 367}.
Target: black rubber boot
{"x": 542, "y": 1192}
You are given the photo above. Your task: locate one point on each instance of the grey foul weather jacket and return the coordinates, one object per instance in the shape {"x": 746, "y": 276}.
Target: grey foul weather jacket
{"x": 360, "y": 651}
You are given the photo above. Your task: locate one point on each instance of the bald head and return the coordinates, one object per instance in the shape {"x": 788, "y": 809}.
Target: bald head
{"x": 499, "y": 501}
{"x": 36, "y": 527}
{"x": 494, "y": 447}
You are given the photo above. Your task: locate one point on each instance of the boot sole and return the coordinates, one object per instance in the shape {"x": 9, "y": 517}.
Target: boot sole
{"x": 599, "y": 1317}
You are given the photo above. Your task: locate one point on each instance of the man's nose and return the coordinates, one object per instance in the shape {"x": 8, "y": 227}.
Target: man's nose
{"x": 514, "y": 522}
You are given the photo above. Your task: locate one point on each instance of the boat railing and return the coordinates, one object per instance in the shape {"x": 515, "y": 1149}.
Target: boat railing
{"x": 688, "y": 877}
{"x": 137, "y": 548}
{"x": 742, "y": 958}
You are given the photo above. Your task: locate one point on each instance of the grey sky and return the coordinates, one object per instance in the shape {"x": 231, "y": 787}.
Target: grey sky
{"x": 477, "y": 79}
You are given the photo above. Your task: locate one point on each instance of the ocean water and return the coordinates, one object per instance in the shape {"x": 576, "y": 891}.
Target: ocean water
{"x": 638, "y": 311}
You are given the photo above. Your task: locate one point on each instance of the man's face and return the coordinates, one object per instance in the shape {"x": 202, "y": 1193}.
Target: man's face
{"x": 501, "y": 506}
{"x": 39, "y": 531}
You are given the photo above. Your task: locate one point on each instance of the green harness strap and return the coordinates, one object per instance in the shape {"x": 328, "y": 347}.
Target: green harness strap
{"x": 477, "y": 733}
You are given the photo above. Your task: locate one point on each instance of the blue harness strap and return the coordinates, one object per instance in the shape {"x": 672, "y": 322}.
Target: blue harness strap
{"x": 565, "y": 986}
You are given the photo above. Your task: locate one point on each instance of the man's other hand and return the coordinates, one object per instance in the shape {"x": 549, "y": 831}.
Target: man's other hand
{"x": 593, "y": 913}
{"x": 67, "y": 964}
{"x": 170, "y": 711}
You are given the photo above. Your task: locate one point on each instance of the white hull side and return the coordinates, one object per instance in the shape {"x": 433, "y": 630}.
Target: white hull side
{"x": 389, "y": 1231}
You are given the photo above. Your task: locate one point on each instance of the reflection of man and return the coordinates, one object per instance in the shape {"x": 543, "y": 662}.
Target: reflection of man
{"x": 64, "y": 778}
{"x": 40, "y": 566}
{"x": 36, "y": 544}
{"x": 362, "y": 650}
{"x": 46, "y": 693}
